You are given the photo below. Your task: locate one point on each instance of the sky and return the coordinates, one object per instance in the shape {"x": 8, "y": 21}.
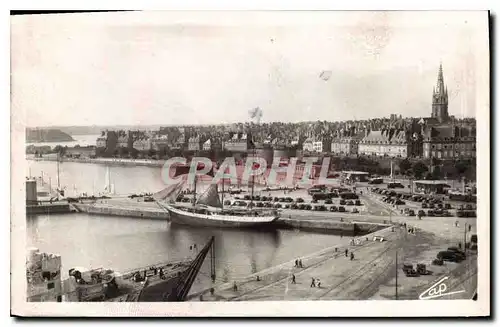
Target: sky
{"x": 145, "y": 68}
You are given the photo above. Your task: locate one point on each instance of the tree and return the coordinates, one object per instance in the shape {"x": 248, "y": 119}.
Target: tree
{"x": 404, "y": 166}
{"x": 461, "y": 167}
{"x": 59, "y": 149}
{"x": 419, "y": 168}
{"x": 436, "y": 172}
{"x": 435, "y": 161}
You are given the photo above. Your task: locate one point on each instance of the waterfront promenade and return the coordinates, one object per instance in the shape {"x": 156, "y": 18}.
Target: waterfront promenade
{"x": 371, "y": 275}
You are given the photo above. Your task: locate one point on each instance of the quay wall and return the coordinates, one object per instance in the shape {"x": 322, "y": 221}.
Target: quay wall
{"x": 334, "y": 226}
{"x": 106, "y": 161}
{"x": 48, "y": 209}
{"x": 348, "y": 228}
{"x": 124, "y": 212}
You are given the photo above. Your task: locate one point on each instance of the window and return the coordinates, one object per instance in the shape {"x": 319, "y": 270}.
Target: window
{"x": 50, "y": 286}
{"x": 433, "y": 146}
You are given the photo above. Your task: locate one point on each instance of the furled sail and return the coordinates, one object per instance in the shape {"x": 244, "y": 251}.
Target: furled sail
{"x": 210, "y": 197}
{"x": 169, "y": 193}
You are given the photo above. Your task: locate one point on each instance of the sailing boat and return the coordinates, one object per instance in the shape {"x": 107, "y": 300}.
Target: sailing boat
{"x": 208, "y": 210}
{"x": 109, "y": 188}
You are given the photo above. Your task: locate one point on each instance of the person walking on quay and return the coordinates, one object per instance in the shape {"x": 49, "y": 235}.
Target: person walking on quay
{"x": 352, "y": 256}
{"x": 235, "y": 288}
{"x": 296, "y": 263}
{"x": 293, "y": 279}
{"x": 300, "y": 263}
{"x": 470, "y": 227}
{"x": 313, "y": 282}
{"x": 346, "y": 252}
{"x": 319, "y": 283}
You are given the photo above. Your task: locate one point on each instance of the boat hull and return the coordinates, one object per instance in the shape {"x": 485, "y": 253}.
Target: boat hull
{"x": 186, "y": 218}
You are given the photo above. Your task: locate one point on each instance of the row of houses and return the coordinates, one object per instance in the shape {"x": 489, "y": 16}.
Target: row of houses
{"x": 440, "y": 141}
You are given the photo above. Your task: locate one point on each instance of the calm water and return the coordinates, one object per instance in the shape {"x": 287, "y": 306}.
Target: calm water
{"x": 82, "y": 140}
{"x": 126, "y": 243}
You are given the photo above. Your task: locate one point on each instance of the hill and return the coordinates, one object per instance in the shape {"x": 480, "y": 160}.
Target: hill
{"x": 47, "y": 135}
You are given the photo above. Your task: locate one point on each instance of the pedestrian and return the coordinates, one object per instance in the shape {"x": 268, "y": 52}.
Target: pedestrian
{"x": 296, "y": 262}
{"x": 346, "y": 252}
{"x": 235, "y": 288}
{"x": 470, "y": 227}
{"x": 319, "y": 283}
{"x": 293, "y": 279}
{"x": 313, "y": 283}
{"x": 300, "y": 263}
{"x": 352, "y": 256}
{"x": 258, "y": 278}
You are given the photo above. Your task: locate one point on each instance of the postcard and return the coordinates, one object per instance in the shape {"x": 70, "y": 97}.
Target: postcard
{"x": 250, "y": 163}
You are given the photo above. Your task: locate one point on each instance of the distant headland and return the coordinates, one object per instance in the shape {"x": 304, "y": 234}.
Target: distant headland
{"x": 47, "y": 135}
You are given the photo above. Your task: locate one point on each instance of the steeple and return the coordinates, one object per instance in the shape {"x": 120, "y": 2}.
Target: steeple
{"x": 440, "y": 98}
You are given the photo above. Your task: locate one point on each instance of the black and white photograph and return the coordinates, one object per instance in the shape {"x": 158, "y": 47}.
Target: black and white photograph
{"x": 327, "y": 161}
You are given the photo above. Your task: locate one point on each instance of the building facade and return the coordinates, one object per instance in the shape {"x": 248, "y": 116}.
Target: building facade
{"x": 345, "y": 146}
{"x": 449, "y": 142}
{"x": 385, "y": 143}
{"x": 239, "y": 142}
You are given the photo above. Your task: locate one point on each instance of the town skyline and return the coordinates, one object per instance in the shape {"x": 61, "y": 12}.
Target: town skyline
{"x": 114, "y": 74}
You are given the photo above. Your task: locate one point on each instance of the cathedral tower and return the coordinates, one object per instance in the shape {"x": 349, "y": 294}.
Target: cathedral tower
{"x": 440, "y": 99}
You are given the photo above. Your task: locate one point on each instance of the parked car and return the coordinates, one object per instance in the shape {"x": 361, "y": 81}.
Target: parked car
{"x": 294, "y": 206}
{"x": 421, "y": 213}
{"x": 399, "y": 202}
{"x": 302, "y": 207}
{"x": 328, "y": 201}
{"x": 411, "y": 213}
{"x": 259, "y": 205}
{"x": 357, "y": 202}
{"x": 350, "y": 203}
{"x": 450, "y": 256}
{"x": 277, "y": 206}
{"x": 355, "y": 210}
{"x": 395, "y": 185}
{"x": 447, "y": 206}
{"x": 424, "y": 205}
{"x": 299, "y": 200}
{"x": 308, "y": 207}
{"x": 319, "y": 208}
{"x": 342, "y": 202}
{"x": 341, "y": 209}
{"x": 457, "y": 251}
{"x": 333, "y": 209}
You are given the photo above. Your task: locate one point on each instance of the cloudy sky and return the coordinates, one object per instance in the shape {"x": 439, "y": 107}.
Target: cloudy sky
{"x": 185, "y": 68}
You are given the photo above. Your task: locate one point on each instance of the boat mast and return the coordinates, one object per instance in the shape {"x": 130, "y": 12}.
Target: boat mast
{"x": 194, "y": 195}
{"x": 222, "y": 202}
{"x": 58, "y": 183}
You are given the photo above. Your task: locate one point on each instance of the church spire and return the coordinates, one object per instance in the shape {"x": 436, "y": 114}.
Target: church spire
{"x": 440, "y": 80}
{"x": 440, "y": 98}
